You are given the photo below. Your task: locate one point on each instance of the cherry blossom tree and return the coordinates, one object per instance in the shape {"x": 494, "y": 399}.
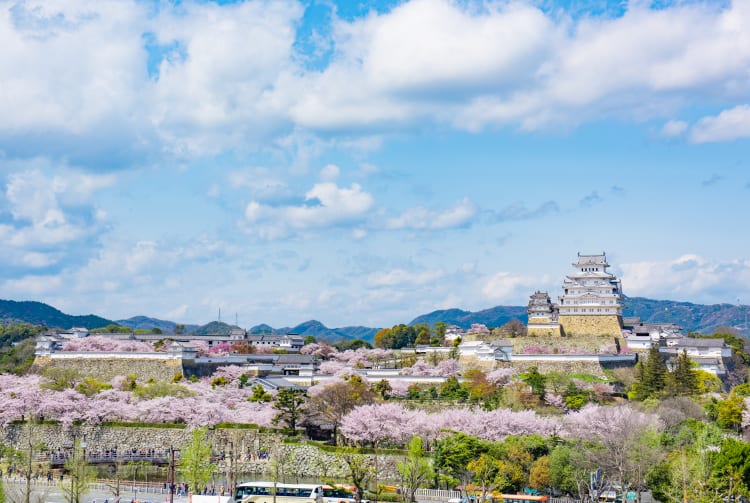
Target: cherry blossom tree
{"x": 331, "y": 367}
{"x": 101, "y": 344}
{"x": 320, "y": 349}
{"x": 501, "y": 376}
{"x": 628, "y": 440}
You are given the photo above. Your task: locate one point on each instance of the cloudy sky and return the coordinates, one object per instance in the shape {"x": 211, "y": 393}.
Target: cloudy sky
{"x": 364, "y": 162}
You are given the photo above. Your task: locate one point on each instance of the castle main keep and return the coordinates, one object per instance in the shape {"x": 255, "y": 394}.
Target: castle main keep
{"x": 590, "y": 304}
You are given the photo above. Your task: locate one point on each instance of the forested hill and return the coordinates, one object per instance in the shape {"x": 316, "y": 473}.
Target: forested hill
{"x": 694, "y": 317}
{"x": 38, "y": 313}
{"x": 493, "y": 317}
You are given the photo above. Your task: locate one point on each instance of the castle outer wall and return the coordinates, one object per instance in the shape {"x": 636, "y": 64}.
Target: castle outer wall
{"x": 104, "y": 367}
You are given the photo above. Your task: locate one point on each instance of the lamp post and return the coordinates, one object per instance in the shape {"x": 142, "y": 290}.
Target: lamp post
{"x": 135, "y": 490}
{"x": 171, "y": 474}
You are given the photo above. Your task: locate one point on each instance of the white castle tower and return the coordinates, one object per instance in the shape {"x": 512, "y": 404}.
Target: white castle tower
{"x": 591, "y": 303}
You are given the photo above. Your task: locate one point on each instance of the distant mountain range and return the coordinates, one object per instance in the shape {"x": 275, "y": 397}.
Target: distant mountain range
{"x": 692, "y": 317}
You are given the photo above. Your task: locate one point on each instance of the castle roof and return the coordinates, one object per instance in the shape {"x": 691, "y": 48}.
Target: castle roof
{"x": 585, "y": 260}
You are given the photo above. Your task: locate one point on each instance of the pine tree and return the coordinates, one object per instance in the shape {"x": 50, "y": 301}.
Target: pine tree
{"x": 289, "y": 402}
{"x": 682, "y": 380}
{"x": 653, "y": 378}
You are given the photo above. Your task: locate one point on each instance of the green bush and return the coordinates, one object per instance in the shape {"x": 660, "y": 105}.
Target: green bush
{"x": 161, "y": 389}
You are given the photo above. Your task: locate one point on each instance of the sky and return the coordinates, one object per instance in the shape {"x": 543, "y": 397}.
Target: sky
{"x": 365, "y": 162}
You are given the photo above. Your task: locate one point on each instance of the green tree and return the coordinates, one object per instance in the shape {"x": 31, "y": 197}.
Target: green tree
{"x": 289, "y": 402}
{"x": 195, "y": 460}
{"x": 383, "y": 389}
{"x": 259, "y": 392}
{"x": 539, "y": 476}
{"x": 310, "y": 339}
{"x": 652, "y": 378}
{"x": 440, "y": 329}
{"x": 682, "y": 380}
{"x": 451, "y": 389}
{"x": 453, "y": 454}
{"x": 536, "y": 380}
{"x": 80, "y": 473}
{"x": 485, "y": 470}
{"x": 569, "y": 470}
{"x": 360, "y": 471}
{"x": 729, "y": 413}
{"x": 414, "y": 470}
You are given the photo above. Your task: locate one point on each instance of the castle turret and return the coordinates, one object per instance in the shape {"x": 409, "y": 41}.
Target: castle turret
{"x": 542, "y": 315}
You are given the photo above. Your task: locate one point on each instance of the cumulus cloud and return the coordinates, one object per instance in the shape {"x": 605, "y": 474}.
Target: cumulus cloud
{"x": 327, "y": 205}
{"x": 330, "y": 173}
{"x": 510, "y": 63}
{"x": 460, "y": 215}
{"x": 510, "y": 287}
{"x": 49, "y": 218}
{"x": 673, "y": 129}
{"x": 729, "y": 125}
{"x": 688, "y": 277}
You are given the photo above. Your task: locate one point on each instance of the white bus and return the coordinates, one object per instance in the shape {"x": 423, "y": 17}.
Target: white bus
{"x": 276, "y": 492}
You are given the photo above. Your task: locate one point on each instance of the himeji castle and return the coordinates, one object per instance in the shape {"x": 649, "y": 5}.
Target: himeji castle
{"x": 590, "y": 304}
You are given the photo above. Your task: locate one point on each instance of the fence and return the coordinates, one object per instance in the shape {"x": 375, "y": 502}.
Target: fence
{"x": 445, "y": 495}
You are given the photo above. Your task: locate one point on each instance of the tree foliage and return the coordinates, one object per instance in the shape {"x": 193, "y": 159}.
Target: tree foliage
{"x": 80, "y": 473}
{"x": 288, "y": 402}
{"x": 414, "y": 470}
{"x": 195, "y": 461}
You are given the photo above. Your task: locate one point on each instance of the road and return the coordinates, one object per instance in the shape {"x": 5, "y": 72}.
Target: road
{"x": 43, "y": 493}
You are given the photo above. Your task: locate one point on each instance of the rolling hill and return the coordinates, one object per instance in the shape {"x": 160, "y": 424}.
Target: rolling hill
{"x": 38, "y": 313}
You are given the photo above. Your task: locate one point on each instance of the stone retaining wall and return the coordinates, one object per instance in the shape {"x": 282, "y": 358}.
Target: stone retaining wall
{"x": 607, "y": 324}
{"x": 104, "y": 369}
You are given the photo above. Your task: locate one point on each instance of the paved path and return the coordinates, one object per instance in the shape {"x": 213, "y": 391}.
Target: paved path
{"x": 53, "y": 493}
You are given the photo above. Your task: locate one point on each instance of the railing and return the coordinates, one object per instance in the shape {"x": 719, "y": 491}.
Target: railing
{"x": 436, "y": 494}
{"x": 158, "y": 458}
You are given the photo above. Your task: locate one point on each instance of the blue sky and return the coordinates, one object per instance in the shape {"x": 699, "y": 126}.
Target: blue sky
{"x": 367, "y": 162}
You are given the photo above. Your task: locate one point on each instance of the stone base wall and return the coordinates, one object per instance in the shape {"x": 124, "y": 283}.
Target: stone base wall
{"x": 592, "y": 344}
{"x": 471, "y": 362}
{"x": 574, "y": 325}
{"x": 533, "y": 330}
{"x": 104, "y": 369}
{"x": 568, "y": 367}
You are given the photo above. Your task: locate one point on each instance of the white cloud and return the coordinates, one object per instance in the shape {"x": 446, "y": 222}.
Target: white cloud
{"x": 688, "y": 277}
{"x": 402, "y": 277}
{"x": 476, "y": 64}
{"x": 508, "y": 287}
{"x": 51, "y": 214}
{"x": 328, "y": 206}
{"x": 460, "y": 215}
{"x": 330, "y": 173}
{"x": 673, "y": 129}
{"x": 727, "y": 126}
{"x": 262, "y": 183}
{"x": 220, "y": 93}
